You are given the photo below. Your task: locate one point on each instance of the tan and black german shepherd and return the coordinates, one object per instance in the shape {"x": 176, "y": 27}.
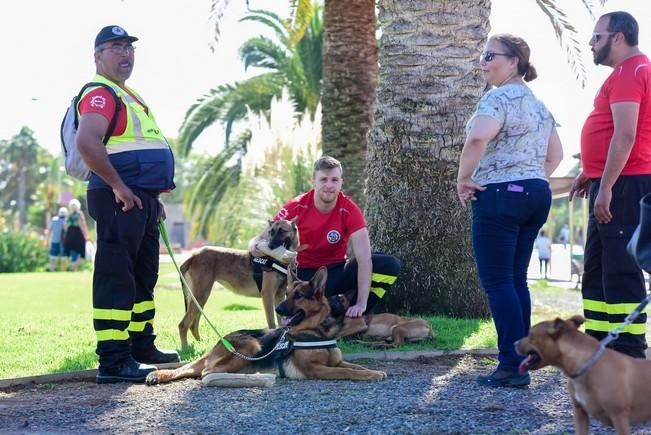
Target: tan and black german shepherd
{"x": 233, "y": 269}
{"x": 307, "y": 319}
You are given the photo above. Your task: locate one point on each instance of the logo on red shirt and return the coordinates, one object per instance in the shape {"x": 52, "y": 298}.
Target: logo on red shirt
{"x": 282, "y": 213}
{"x": 333, "y": 236}
{"x": 98, "y": 101}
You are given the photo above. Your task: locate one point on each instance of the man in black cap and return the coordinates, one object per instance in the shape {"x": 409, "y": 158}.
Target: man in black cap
{"x": 131, "y": 164}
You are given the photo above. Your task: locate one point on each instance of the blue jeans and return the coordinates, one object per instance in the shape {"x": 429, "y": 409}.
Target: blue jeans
{"x": 506, "y": 218}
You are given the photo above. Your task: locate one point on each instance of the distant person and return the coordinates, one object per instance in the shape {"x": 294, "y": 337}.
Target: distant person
{"x": 564, "y": 236}
{"x": 544, "y": 246}
{"x": 128, "y": 175}
{"x": 76, "y": 234}
{"x": 616, "y": 161}
{"x": 511, "y": 149}
{"x": 55, "y": 239}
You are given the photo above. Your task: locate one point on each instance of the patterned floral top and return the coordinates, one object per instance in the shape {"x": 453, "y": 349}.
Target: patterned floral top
{"x": 519, "y": 150}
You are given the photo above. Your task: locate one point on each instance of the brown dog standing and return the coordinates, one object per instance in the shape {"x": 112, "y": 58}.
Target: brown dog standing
{"x": 305, "y": 310}
{"x": 615, "y": 389}
{"x": 232, "y": 269}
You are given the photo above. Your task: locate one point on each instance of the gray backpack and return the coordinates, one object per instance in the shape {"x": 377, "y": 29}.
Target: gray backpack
{"x": 74, "y": 163}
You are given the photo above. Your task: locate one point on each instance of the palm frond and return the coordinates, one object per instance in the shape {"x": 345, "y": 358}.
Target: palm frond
{"x": 262, "y": 52}
{"x": 301, "y": 16}
{"x": 590, "y": 7}
{"x": 271, "y": 20}
{"x": 215, "y": 16}
{"x": 567, "y": 35}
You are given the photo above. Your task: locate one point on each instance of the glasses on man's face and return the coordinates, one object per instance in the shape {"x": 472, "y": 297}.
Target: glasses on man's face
{"x": 596, "y": 35}
{"x": 490, "y": 55}
{"x": 120, "y": 49}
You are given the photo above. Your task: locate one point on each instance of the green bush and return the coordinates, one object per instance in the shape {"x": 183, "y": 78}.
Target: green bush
{"x": 21, "y": 252}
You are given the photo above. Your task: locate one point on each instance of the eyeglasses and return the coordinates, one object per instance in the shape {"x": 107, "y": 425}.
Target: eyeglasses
{"x": 120, "y": 49}
{"x": 596, "y": 35}
{"x": 490, "y": 55}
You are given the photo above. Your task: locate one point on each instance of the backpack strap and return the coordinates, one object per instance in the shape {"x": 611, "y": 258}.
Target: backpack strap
{"x": 118, "y": 107}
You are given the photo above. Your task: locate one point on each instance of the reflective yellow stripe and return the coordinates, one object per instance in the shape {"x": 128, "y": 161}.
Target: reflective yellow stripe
{"x": 387, "y": 279}
{"x": 379, "y": 291}
{"x": 107, "y": 314}
{"x": 605, "y": 326}
{"x": 603, "y": 307}
{"x": 143, "y": 306}
{"x": 139, "y": 326}
{"x": 111, "y": 334}
{"x": 134, "y": 146}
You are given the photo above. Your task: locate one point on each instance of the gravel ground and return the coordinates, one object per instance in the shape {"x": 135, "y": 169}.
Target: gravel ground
{"x": 426, "y": 395}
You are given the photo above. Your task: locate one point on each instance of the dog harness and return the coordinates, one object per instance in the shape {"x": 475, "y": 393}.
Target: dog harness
{"x": 288, "y": 344}
{"x": 265, "y": 264}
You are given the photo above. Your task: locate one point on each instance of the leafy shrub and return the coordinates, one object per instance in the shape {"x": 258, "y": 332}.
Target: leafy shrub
{"x": 21, "y": 252}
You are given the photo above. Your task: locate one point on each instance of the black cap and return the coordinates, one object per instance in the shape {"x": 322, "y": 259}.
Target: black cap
{"x": 110, "y": 33}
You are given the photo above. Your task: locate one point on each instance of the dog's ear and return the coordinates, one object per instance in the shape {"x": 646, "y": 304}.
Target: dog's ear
{"x": 555, "y": 327}
{"x": 577, "y": 320}
{"x": 293, "y": 222}
{"x": 318, "y": 281}
{"x": 292, "y": 274}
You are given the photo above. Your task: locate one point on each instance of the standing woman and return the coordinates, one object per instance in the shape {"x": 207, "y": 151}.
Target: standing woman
{"x": 76, "y": 234}
{"x": 511, "y": 149}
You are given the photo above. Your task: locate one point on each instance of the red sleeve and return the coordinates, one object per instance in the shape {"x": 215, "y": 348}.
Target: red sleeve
{"x": 100, "y": 101}
{"x": 629, "y": 85}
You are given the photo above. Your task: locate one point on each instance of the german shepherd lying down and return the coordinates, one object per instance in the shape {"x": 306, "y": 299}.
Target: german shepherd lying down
{"x": 306, "y": 315}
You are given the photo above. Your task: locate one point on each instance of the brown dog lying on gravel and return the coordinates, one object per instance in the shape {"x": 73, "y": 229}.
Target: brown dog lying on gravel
{"x": 391, "y": 329}
{"x": 615, "y": 390}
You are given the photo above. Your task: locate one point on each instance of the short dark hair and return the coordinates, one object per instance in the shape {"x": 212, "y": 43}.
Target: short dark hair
{"x": 326, "y": 163}
{"x": 624, "y": 22}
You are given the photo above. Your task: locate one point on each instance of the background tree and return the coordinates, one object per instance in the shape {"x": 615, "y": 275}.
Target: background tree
{"x": 350, "y": 68}
{"x": 20, "y": 173}
{"x": 429, "y": 84}
{"x": 291, "y": 60}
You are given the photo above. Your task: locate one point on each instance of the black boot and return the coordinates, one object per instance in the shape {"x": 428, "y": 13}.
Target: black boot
{"x": 152, "y": 355}
{"x": 128, "y": 371}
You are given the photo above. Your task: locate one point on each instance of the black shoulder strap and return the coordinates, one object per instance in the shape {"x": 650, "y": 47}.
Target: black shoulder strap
{"x": 118, "y": 106}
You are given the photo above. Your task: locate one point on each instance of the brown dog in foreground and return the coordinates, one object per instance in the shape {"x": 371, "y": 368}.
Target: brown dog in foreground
{"x": 232, "y": 268}
{"x": 615, "y": 390}
{"x": 390, "y": 329}
{"x": 305, "y": 309}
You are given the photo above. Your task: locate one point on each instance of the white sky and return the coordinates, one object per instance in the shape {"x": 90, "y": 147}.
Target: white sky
{"x": 48, "y": 55}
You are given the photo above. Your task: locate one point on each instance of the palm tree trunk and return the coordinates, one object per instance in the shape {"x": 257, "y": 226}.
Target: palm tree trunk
{"x": 349, "y": 82}
{"x": 429, "y": 85}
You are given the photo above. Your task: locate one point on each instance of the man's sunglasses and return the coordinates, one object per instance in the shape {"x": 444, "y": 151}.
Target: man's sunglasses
{"x": 490, "y": 55}
{"x": 596, "y": 35}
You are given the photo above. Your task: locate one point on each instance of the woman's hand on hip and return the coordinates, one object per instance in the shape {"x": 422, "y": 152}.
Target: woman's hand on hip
{"x": 466, "y": 189}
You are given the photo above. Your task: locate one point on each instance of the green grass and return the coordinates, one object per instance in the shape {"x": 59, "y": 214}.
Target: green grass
{"x": 46, "y": 322}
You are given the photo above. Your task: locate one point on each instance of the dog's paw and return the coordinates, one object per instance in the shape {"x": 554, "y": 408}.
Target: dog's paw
{"x": 152, "y": 378}
{"x": 379, "y": 375}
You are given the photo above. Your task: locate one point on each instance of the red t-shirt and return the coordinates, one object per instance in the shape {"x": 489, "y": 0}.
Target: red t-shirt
{"x": 326, "y": 234}
{"x": 99, "y": 100}
{"x": 629, "y": 82}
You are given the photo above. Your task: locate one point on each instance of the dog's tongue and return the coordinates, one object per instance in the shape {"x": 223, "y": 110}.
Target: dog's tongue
{"x": 524, "y": 365}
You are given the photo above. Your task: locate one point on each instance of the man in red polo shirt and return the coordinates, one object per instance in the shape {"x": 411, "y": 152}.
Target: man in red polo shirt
{"x": 327, "y": 222}
{"x": 616, "y": 157}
